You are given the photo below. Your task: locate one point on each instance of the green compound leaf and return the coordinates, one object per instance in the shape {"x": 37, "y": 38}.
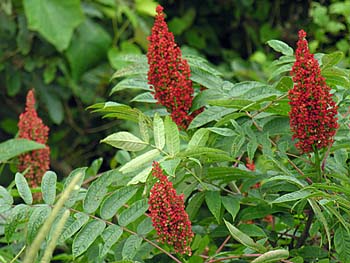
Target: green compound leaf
{"x": 139, "y": 161}
{"x": 172, "y": 136}
{"x": 18, "y": 215}
{"x": 48, "y": 187}
{"x": 342, "y": 243}
{"x": 125, "y": 141}
{"x": 5, "y": 197}
{"x": 23, "y": 188}
{"x": 133, "y": 212}
{"x": 116, "y": 200}
{"x": 87, "y": 236}
{"x": 54, "y": 19}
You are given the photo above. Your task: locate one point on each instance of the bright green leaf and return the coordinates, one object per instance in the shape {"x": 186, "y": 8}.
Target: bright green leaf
{"x": 13, "y": 147}
{"x": 281, "y": 47}
{"x": 158, "y": 132}
{"x": 125, "y": 141}
{"x": 139, "y": 161}
{"x": 272, "y": 256}
{"x": 172, "y": 136}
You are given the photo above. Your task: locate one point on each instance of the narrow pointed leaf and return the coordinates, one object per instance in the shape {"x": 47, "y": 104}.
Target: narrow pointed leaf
{"x": 244, "y": 239}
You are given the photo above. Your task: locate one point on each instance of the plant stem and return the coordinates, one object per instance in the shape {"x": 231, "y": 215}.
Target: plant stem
{"x": 305, "y": 233}
{"x": 318, "y": 165}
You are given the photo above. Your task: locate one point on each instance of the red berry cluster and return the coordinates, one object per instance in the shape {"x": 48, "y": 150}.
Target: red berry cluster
{"x": 168, "y": 214}
{"x": 168, "y": 73}
{"x": 313, "y": 111}
{"x": 31, "y": 127}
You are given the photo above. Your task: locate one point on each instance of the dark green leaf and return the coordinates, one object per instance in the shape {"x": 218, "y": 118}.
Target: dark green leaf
{"x": 213, "y": 200}
{"x": 342, "y": 243}
{"x": 110, "y": 236}
{"x": 72, "y": 226}
{"x": 131, "y": 245}
{"x": 54, "y": 19}
{"x": 231, "y": 204}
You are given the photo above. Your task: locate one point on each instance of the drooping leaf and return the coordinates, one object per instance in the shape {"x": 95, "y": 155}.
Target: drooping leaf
{"x": 54, "y": 19}
{"x": 213, "y": 200}
{"x": 140, "y": 160}
{"x": 23, "y": 188}
{"x": 116, "y": 200}
{"x": 133, "y": 212}
{"x": 14, "y": 147}
{"x": 244, "y": 239}
{"x": 48, "y": 187}
{"x": 86, "y": 236}
{"x": 158, "y": 131}
{"x": 172, "y": 136}
{"x": 36, "y": 219}
{"x": 110, "y": 236}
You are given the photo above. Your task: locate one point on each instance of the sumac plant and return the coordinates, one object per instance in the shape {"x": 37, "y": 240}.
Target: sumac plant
{"x": 213, "y": 171}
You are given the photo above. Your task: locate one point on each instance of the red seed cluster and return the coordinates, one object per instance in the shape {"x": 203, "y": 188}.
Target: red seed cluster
{"x": 168, "y": 214}
{"x": 250, "y": 164}
{"x": 168, "y": 73}
{"x": 31, "y": 127}
{"x": 313, "y": 112}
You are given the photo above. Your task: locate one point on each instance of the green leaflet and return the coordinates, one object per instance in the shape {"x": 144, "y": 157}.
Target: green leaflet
{"x": 213, "y": 200}
{"x": 23, "y": 188}
{"x": 139, "y": 161}
{"x": 158, "y": 132}
{"x": 172, "y": 136}
{"x": 13, "y": 147}
{"x": 36, "y": 219}
{"x": 110, "y": 236}
{"x": 125, "y": 141}
{"x": 73, "y": 225}
{"x": 272, "y": 256}
{"x": 48, "y": 187}
{"x": 116, "y": 200}
{"x": 98, "y": 190}
{"x": 244, "y": 239}
{"x": 87, "y": 236}
{"x": 133, "y": 212}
